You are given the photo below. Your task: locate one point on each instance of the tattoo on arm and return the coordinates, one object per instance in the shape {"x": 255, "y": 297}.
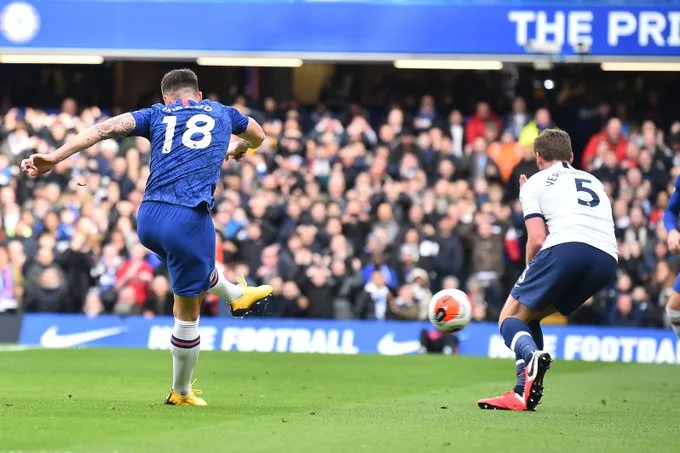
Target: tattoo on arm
{"x": 117, "y": 126}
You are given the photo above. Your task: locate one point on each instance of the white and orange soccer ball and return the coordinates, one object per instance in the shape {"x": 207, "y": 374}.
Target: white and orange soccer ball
{"x": 450, "y": 310}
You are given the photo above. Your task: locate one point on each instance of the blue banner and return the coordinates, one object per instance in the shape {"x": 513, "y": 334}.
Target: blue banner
{"x": 343, "y": 337}
{"x": 340, "y": 29}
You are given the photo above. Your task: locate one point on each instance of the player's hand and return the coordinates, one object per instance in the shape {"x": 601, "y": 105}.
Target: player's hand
{"x": 522, "y": 179}
{"x": 674, "y": 241}
{"x": 38, "y": 164}
{"x": 237, "y": 149}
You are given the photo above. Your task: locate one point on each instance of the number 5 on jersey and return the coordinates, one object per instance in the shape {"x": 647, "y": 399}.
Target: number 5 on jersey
{"x": 204, "y": 131}
{"x": 581, "y": 187}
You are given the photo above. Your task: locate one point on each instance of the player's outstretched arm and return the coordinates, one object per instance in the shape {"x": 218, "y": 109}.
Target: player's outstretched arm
{"x": 118, "y": 126}
{"x": 254, "y": 134}
{"x": 251, "y": 138}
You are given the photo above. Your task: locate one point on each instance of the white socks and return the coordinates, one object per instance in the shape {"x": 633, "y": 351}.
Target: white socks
{"x": 674, "y": 317}
{"x": 185, "y": 344}
{"x": 223, "y": 288}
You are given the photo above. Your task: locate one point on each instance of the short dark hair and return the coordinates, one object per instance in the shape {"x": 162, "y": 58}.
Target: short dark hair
{"x": 179, "y": 79}
{"x": 553, "y": 145}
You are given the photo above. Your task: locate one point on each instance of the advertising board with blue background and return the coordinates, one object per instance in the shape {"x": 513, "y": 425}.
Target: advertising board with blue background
{"x": 343, "y": 337}
{"x": 343, "y": 28}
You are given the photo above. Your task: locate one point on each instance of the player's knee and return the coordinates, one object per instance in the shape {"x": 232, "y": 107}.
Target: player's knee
{"x": 187, "y": 308}
{"x": 186, "y": 315}
{"x": 501, "y": 318}
{"x": 509, "y": 309}
{"x": 514, "y": 309}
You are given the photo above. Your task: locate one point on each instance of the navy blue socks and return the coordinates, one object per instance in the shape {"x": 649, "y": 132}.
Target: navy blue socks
{"x": 517, "y": 336}
{"x": 521, "y": 378}
{"x": 537, "y": 333}
{"x": 520, "y": 365}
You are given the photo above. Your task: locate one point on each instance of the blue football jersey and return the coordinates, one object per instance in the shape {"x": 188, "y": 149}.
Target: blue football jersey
{"x": 188, "y": 145}
{"x": 670, "y": 215}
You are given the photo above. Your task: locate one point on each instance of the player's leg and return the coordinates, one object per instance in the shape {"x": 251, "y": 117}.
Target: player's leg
{"x": 223, "y": 288}
{"x": 514, "y": 327}
{"x": 184, "y": 341}
{"x": 520, "y": 364}
{"x": 592, "y": 270}
{"x": 673, "y": 307}
{"x": 519, "y": 324}
{"x": 185, "y": 240}
{"x": 240, "y": 297}
{"x": 185, "y": 344}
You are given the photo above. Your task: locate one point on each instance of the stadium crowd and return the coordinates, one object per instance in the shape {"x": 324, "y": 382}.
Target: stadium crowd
{"x": 346, "y": 216}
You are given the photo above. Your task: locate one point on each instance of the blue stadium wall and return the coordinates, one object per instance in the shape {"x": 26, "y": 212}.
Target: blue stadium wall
{"x": 342, "y": 29}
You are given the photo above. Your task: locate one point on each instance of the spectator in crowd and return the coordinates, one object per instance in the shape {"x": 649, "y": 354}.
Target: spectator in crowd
{"x": 77, "y": 263}
{"x": 506, "y": 154}
{"x": 662, "y": 282}
{"x": 319, "y": 287}
{"x": 517, "y": 118}
{"x": 541, "y": 122}
{"x": 405, "y": 305}
{"x": 48, "y": 293}
{"x": 488, "y": 261}
{"x": 457, "y": 133}
{"x": 34, "y": 268}
{"x": 426, "y": 114}
{"x": 419, "y": 282}
{"x": 526, "y": 166}
{"x": 625, "y": 313}
{"x": 450, "y": 254}
{"x": 296, "y": 304}
{"x": 104, "y": 273}
{"x": 374, "y": 302}
{"x": 347, "y": 214}
{"x": 93, "y": 304}
{"x": 450, "y": 282}
{"x": 160, "y": 300}
{"x": 478, "y": 164}
{"x": 126, "y": 302}
{"x": 348, "y": 284}
{"x": 134, "y": 276}
{"x": 481, "y": 309}
{"x": 610, "y": 139}
{"x": 477, "y": 124}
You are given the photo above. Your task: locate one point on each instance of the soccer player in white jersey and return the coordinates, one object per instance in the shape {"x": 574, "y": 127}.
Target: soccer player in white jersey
{"x": 571, "y": 254}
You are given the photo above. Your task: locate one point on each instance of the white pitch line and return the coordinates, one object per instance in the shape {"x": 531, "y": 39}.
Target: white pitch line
{"x": 15, "y": 348}
{"x": 59, "y": 451}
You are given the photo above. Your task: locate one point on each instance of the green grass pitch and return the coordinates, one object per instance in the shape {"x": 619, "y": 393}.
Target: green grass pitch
{"x": 106, "y": 400}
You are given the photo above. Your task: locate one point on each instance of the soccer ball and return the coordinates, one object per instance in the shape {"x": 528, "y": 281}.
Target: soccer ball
{"x": 450, "y": 310}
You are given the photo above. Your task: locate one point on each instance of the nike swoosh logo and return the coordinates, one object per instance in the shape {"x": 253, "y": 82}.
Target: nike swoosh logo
{"x": 387, "y": 346}
{"x": 52, "y": 339}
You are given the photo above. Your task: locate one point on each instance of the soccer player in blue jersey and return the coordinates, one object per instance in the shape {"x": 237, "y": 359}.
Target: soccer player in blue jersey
{"x": 190, "y": 139}
{"x": 670, "y": 222}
